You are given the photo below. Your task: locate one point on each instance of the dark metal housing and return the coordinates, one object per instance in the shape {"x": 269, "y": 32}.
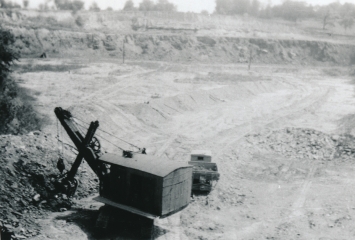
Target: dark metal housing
{"x": 145, "y": 185}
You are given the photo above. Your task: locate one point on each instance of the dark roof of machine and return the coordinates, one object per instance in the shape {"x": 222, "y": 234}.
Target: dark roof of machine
{"x": 145, "y": 163}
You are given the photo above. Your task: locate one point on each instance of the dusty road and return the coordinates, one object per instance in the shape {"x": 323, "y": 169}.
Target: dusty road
{"x": 171, "y": 109}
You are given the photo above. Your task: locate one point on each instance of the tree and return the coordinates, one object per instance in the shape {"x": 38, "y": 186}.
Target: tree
{"x": 7, "y": 54}
{"x": 254, "y": 8}
{"x": 231, "y": 7}
{"x": 161, "y": 5}
{"x": 165, "y": 6}
{"x": 146, "y": 5}
{"x": 8, "y": 4}
{"x": 205, "y": 12}
{"x": 25, "y": 3}
{"x": 129, "y": 6}
{"x": 75, "y": 5}
{"x": 347, "y": 22}
{"x": 94, "y": 7}
{"x": 16, "y": 113}
{"x": 266, "y": 13}
{"x": 292, "y": 10}
{"x": 62, "y": 4}
{"x": 347, "y": 9}
{"x": 328, "y": 19}
{"x": 110, "y": 9}
{"x": 43, "y": 7}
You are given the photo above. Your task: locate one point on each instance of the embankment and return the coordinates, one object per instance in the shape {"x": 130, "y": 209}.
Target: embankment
{"x": 180, "y": 48}
{"x": 179, "y": 37}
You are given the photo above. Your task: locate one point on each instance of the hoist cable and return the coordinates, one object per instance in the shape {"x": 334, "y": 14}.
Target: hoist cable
{"x": 58, "y": 143}
{"x": 99, "y": 136}
{"x": 80, "y": 129}
{"x": 111, "y": 134}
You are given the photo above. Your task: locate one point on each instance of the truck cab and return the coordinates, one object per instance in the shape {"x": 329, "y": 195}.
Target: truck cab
{"x": 205, "y": 172}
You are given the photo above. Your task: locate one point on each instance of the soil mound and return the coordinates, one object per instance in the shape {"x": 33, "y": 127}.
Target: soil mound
{"x": 306, "y": 144}
{"x": 27, "y": 177}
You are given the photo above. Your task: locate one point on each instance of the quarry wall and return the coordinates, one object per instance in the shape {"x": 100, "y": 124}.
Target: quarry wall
{"x": 155, "y": 36}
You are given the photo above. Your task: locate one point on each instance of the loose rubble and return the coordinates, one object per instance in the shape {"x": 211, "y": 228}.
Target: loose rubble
{"x": 306, "y": 144}
{"x": 26, "y": 180}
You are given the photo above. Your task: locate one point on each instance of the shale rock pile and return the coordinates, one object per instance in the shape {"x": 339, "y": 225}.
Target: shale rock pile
{"x": 306, "y": 144}
{"x": 27, "y": 173}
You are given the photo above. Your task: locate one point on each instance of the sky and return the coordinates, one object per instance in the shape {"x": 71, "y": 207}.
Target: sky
{"x": 182, "y": 5}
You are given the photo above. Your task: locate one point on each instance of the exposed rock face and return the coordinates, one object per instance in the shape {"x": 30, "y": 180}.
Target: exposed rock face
{"x": 185, "y": 37}
{"x": 180, "y": 48}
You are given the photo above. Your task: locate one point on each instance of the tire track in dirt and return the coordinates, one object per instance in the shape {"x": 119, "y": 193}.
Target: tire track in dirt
{"x": 125, "y": 80}
{"x": 299, "y": 202}
{"x": 272, "y": 120}
{"x": 292, "y": 111}
{"x": 116, "y": 114}
{"x": 102, "y": 92}
{"x": 245, "y": 130}
{"x": 309, "y": 98}
{"x": 168, "y": 142}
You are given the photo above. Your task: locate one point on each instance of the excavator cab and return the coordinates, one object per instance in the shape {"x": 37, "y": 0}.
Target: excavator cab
{"x": 131, "y": 184}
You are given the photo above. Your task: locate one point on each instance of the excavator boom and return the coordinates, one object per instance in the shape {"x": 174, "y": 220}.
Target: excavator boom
{"x": 82, "y": 143}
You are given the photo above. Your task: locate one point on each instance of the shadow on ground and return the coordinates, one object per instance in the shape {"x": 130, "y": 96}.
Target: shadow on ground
{"x": 86, "y": 219}
{"x": 200, "y": 193}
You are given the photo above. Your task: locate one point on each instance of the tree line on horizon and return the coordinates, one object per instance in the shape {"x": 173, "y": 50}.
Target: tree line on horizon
{"x": 290, "y": 10}
{"x": 71, "y": 5}
{"x": 77, "y": 5}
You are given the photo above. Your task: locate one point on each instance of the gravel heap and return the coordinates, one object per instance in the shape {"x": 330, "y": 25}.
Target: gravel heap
{"x": 306, "y": 144}
{"x": 27, "y": 174}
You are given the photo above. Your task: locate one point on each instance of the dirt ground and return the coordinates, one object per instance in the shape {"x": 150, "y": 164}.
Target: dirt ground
{"x": 277, "y": 133}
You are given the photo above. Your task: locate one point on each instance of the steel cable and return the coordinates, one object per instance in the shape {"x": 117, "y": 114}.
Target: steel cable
{"x": 111, "y": 135}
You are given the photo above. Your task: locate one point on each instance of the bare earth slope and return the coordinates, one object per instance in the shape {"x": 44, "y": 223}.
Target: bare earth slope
{"x": 281, "y": 133}
{"x": 276, "y": 134}
{"x": 175, "y": 37}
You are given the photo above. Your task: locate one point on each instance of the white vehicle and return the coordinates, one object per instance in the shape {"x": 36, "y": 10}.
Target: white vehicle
{"x": 205, "y": 172}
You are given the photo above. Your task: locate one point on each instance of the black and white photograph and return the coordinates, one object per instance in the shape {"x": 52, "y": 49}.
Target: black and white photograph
{"x": 177, "y": 119}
